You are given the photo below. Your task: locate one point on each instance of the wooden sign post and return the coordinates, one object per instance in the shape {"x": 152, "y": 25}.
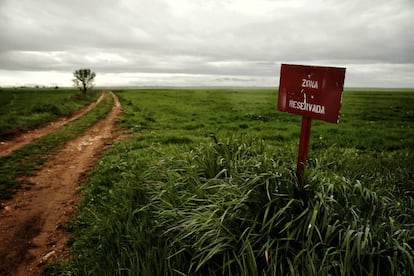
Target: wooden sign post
{"x": 313, "y": 92}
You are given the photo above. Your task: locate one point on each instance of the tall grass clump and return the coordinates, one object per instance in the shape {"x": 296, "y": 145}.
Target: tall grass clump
{"x": 234, "y": 207}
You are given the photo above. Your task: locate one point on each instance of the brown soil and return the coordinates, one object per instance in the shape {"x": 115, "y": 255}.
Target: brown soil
{"x": 31, "y": 232}
{"x": 22, "y": 139}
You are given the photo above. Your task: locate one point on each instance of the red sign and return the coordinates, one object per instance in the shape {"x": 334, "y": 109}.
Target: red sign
{"x": 311, "y": 91}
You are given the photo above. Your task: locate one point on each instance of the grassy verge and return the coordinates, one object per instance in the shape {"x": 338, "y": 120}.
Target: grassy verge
{"x": 27, "y": 108}
{"x": 208, "y": 187}
{"x": 31, "y": 157}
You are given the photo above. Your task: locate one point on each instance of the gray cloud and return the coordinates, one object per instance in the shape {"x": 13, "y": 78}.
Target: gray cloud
{"x": 214, "y": 40}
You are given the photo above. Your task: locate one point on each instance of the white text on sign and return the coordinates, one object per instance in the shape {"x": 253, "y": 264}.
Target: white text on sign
{"x": 310, "y": 83}
{"x": 315, "y": 108}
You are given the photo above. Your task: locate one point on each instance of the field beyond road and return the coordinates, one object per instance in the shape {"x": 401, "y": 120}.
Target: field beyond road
{"x": 24, "y": 109}
{"x": 207, "y": 186}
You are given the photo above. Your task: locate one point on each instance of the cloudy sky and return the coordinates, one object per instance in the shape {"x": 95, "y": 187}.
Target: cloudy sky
{"x": 204, "y": 42}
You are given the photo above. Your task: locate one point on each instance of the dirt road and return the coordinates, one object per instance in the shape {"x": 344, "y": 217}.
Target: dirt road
{"x": 31, "y": 233}
{"x": 7, "y": 147}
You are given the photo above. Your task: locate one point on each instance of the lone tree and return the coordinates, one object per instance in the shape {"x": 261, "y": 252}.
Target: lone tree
{"x": 84, "y": 79}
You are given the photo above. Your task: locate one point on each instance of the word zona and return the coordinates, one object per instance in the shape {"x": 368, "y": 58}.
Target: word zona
{"x": 310, "y": 83}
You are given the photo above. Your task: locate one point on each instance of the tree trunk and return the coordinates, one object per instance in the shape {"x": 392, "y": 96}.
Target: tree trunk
{"x": 84, "y": 88}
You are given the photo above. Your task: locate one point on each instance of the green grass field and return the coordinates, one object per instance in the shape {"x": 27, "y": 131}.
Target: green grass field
{"x": 22, "y": 109}
{"x": 29, "y": 158}
{"x": 206, "y": 186}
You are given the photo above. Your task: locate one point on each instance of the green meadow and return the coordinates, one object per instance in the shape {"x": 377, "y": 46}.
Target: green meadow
{"x": 206, "y": 186}
{"x": 22, "y": 109}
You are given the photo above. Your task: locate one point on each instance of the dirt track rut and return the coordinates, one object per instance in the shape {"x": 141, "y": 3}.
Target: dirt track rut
{"x": 31, "y": 233}
{"x": 7, "y": 147}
